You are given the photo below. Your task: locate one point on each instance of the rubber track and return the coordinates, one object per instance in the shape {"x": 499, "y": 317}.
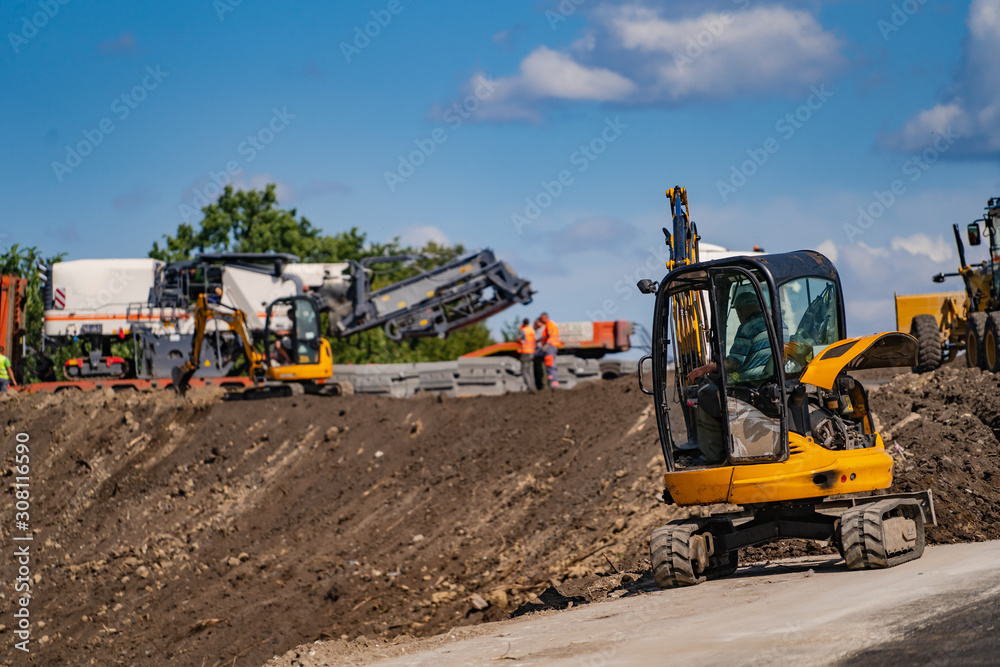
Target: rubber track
{"x": 670, "y": 555}
{"x": 863, "y": 542}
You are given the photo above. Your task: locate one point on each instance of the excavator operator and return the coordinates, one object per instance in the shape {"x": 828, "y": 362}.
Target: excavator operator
{"x": 283, "y": 348}
{"x": 747, "y": 360}
{"x": 751, "y": 350}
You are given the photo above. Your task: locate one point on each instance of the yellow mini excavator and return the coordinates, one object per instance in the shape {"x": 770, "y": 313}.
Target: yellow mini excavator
{"x": 772, "y": 420}
{"x": 296, "y": 357}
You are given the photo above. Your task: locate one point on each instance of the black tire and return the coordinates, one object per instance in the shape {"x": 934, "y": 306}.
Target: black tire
{"x": 991, "y": 343}
{"x": 925, "y": 329}
{"x": 975, "y": 337}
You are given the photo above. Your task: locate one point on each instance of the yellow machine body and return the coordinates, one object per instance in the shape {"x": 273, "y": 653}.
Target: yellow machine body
{"x": 811, "y": 470}
{"x": 304, "y": 370}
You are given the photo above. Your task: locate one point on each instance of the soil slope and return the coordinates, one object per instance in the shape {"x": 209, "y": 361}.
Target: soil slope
{"x": 204, "y": 531}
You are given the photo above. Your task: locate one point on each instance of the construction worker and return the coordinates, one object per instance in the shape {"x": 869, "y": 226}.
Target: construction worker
{"x": 6, "y": 374}
{"x": 550, "y": 346}
{"x": 526, "y": 352}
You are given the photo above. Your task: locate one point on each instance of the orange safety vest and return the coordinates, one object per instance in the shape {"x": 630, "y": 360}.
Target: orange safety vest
{"x": 527, "y": 344}
{"x": 551, "y": 335}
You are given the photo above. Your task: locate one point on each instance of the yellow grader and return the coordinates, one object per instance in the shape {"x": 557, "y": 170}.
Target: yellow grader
{"x": 944, "y": 323}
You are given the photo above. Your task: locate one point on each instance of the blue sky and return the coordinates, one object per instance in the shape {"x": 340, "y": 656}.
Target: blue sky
{"x": 663, "y": 93}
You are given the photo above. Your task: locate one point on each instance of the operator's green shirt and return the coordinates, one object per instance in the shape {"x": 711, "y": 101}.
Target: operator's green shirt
{"x": 4, "y": 368}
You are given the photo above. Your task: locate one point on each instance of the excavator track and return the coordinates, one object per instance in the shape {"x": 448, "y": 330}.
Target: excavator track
{"x": 882, "y": 534}
{"x": 682, "y": 553}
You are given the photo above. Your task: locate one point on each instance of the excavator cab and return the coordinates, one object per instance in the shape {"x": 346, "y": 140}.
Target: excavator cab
{"x": 295, "y": 350}
{"x": 756, "y": 347}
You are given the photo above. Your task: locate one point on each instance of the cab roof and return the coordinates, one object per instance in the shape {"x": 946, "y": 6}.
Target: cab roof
{"x": 780, "y": 267}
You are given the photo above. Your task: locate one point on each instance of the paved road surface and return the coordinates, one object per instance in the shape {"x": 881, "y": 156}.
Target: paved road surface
{"x": 810, "y": 611}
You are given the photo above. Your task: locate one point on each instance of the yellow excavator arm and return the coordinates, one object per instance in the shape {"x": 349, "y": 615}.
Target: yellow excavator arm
{"x": 237, "y": 323}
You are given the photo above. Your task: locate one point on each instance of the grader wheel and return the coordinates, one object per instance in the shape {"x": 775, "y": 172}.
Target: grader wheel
{"x": 975, "y": 341}
{"x": 683, "y": 553}
{"x": 925, "y": 329}
{"x": 881, "y": 534}
{"x": 991, "y": 343}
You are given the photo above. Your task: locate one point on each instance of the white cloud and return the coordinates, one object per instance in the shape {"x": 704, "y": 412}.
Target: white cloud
{"x": 829, "y": 249}
{"x": 547, "y": 73}
{"x": 936, "y": 249}
{"x": 972, "y": 109}
{"x": 634, "y": 54}
{"x": 420, "y": 235}
{"x": 727, "y": 54}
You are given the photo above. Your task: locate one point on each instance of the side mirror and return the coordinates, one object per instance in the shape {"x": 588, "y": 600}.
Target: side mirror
{"x": 939, "y": 278}
{"x": 646, "y": 286}
{"x": 973, "y": 231}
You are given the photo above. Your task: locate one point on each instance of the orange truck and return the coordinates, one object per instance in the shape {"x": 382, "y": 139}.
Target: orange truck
{"x": 12, "y": 320}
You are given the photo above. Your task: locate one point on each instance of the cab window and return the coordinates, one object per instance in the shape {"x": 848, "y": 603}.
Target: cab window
{"x": 810, "y": 320}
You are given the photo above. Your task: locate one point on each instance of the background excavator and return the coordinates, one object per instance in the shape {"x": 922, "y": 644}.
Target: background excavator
{"x": 297, "y": 358}
{"x": 780, "y": 425}
{"x": 947, "y": 322}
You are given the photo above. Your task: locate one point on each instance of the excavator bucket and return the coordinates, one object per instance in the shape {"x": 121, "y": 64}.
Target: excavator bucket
{"x": 181, "y": 376}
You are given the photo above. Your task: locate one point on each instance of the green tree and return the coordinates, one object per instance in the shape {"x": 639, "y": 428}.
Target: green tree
{"x": 23, "y": 262}
{"x": 252, "y": 221}
{"x": 510, "y": 330}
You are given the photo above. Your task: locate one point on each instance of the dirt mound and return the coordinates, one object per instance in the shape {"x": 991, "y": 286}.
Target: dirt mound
{"x": 942, "y": 429}
{"x": 204, "y": 530}
{"x": 200, "y": 531}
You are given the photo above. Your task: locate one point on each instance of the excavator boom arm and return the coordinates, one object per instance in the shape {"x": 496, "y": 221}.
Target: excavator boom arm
{"x": 237, "y": 323}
